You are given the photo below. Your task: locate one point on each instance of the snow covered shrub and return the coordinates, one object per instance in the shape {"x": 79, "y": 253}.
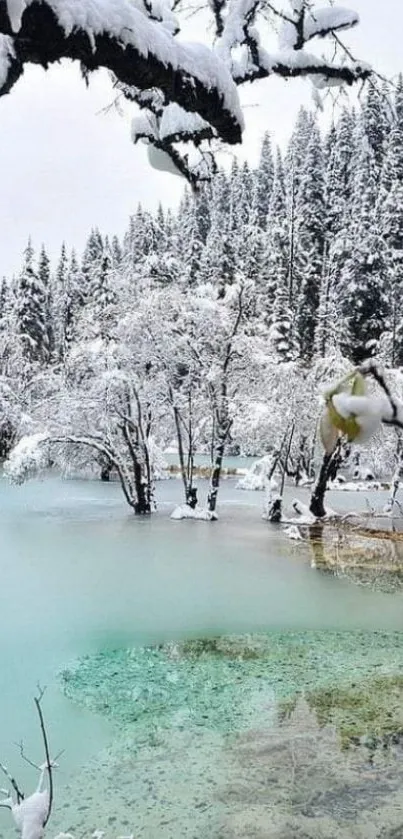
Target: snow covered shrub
{"x": 257, "y": 477}
{"x": 29, "y": 457}
{"x": 250, "y": 430}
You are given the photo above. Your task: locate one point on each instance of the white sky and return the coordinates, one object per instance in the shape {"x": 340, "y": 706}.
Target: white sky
{"x": 65, "y": 167}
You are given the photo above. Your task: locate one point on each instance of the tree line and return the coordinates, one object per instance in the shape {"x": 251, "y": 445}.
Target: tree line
{"x": 210, "y": 327}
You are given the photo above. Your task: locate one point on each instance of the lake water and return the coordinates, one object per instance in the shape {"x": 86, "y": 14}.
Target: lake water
{"x": 80, "y": 575}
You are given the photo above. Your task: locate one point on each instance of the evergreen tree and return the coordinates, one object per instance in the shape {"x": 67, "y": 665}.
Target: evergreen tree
{"x": 130, "y": 250}
{"x": 281, "y": 318}
{"x": 364, "y": 304}
{"x": 376, "y": 112}
{"x": 338, "y": 179}
{"x": 217, "y": 264}
{"x": 327, "y": 332}
{"x": 390, "y": 220}
{"x": 116, "y": 252}
{"x": 310, "y": 244}
{"x": 191, "y": 241}
{"x": 297, "y": 150}
{"x": 60, "y": 295}
{"x": 277, "y": 244}
{"x": 338, "y": 241}
{"x": 32, "y": 311}
{"x": 73, "y": 301}
{"x": 4, "y": 299}
{"x": 264, "y": 181}
{"x": 44, "y": 277}
{"x": 202, "y": 201}
{"x": 294, "y": 162}
{"x": 103, "y": 295}
{"x": 160, "y": 239}
{"x": 91, "y": 257}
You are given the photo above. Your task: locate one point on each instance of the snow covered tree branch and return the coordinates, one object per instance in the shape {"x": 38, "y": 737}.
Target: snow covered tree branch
{"x": 139, "y": 51}
{"x": 31, "y": 813}
{"x": 188, "y": 90}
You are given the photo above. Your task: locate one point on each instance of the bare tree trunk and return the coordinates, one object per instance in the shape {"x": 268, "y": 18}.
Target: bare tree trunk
{"x": 398, "y": 475}
{"x": 275, "y": 506}
{"x": 191, "y": 497}
{"x": 311, "y": 458}
{"x": 142, "y": 506}
{"x": 317, "y": 498}
{"x": 300, "y": 461}
{"x": 136, "y": 438}
{"x": 216, "y": 473}
{"x": 330, "y": 465}
{"x": 106, "y": 469}
{"x": 186, "y": 468}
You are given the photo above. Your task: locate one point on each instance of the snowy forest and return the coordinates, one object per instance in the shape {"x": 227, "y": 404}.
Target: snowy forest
{"x": 214, "y": 328}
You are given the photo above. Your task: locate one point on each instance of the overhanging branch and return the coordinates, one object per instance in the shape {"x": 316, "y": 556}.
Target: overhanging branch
{"x": 42, "y": 40}
{"x": 288, "y": 70}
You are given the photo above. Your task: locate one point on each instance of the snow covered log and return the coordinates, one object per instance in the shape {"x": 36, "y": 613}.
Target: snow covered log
{"x": 118, "y": 36}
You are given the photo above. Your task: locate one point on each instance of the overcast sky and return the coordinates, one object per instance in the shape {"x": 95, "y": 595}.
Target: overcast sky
{"x": 65, "y": 166}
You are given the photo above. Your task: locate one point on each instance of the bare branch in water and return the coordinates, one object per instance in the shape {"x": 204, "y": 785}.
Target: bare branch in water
{"x": 49, "y": 763}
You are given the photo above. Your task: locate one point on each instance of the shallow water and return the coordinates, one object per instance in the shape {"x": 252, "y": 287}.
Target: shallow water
{"x": 80, "y": 574}
{"x": 278, "y": 735}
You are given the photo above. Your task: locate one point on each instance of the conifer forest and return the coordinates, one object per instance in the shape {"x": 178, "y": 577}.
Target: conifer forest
{"x": 214, "y": 327}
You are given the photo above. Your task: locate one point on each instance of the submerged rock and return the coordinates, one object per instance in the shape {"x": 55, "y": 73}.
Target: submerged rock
{"x": 256, "y": 736}
{"x": 375, "y": 561}
{"x": 352, "y": 680}
{"x": 368, "y": 712}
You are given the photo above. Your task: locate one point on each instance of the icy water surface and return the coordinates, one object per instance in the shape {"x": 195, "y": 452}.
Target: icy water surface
{"x": 80, "y": 576}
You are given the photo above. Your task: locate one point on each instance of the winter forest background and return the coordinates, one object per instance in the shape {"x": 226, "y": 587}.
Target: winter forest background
{"x": 220, "y": 322}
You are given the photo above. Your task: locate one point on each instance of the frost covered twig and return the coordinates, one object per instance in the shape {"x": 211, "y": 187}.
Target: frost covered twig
{"x": 25, "y": 758}
{"x": 49, "y": 764}
{"x": 13, "y": 782}
{"x": 31, "y": 814}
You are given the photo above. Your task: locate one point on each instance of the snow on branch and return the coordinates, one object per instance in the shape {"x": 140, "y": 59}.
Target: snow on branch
{"x": 293, "y": 63}
{"x": 189, "y": 89}
{"x": 7, "y": 59}
{"x": 179, "y": 125}
{"x": 160, "y": 130}
{"x": 314, "y": 22}
{"x": 321, "y": 22}
{"x": 31, "y": 813}
{"x": 297, "y": 28}
{"x": 118, "y": 36}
